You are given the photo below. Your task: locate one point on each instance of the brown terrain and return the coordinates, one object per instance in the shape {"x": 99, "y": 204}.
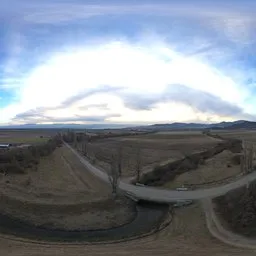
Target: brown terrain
{"x": 237, "y": 210}
{"x": 211, "y": 166}
{"x": 221, "y": 167}
{"x": 243, "y": 134}
{"x": 155, "y": 149}
{"x": 187, "y": 235}
{"x": 62, "y": 194}
{"x": 25, "y": 136}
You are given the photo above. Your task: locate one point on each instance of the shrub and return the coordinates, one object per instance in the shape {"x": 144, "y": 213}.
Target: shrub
{"x": 11, "y": 168}
{"x": 17, "y": 160}
{"x": 238, "y": 209}
{"x": 236, "y": 159}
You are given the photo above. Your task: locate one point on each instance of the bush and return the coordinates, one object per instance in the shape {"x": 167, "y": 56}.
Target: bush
{"x": 11, "y": 168}
{"x": 238, "y": 209}
{"x": 164, "y": 173}
{"x": 236, "y": 159}
{"x": 17, "y": 160}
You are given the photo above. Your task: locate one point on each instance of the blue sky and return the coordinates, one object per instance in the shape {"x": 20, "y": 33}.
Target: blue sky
{"x": 127, "y": 61}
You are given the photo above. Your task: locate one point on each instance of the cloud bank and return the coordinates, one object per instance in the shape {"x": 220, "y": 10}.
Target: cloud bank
{"x": 129, "y": 62}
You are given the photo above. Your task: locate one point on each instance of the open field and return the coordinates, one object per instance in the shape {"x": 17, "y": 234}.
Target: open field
{"x": 210, "y": 172}
{"x": 243, "y": 134}
{"x": 62, "y": 194}
{"x": 187, "y": 235}
{"x": 59, "y": 173}
{"x": 155, "y": 149}
{"x": 24, "y": 136}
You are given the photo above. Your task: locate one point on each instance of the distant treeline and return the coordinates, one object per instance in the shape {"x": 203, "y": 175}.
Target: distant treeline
{"x": 17, "y": 160}
{"x": 72, "y": 136}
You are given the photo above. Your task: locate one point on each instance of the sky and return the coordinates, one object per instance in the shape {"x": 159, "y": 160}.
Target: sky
{"x": 132, "y": 62}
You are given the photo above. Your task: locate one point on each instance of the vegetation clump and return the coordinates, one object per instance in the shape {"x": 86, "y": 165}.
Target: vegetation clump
{"x": 17, "y": 160}
{"x": 238, "y": 210}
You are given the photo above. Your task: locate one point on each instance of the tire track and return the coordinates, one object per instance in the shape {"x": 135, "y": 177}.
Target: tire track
{"x": 75, "y": 175}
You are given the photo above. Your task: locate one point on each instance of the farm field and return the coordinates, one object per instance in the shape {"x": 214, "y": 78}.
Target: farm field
{"x": 62, "y": 194}
{"x": 25, "y": 136}
{"x": 187, "y": 235}
{"x": 247, "y": 135}
{"x": 211, "y": 172}
{"x": 155, "y": 149}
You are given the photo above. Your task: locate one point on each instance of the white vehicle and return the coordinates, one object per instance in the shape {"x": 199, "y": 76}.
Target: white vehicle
{"x": 139, "y": 184}
{"x": 182, "y": 189}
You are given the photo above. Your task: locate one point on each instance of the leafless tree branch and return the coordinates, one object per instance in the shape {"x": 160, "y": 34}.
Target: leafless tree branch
{"x": 114, "y": 176}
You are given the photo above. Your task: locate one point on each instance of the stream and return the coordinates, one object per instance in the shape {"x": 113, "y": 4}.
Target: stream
{"x": 149, "y": 217}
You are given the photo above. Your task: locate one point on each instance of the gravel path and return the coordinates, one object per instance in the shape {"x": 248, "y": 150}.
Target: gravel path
{"x": 165, "y": 195}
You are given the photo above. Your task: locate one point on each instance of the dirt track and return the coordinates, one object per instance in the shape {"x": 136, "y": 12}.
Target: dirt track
{"x": 164, "y": 195}
{"x": 226, "y": 236}
{"x": 62, "y": 194}
{"x": 187, "y": 235}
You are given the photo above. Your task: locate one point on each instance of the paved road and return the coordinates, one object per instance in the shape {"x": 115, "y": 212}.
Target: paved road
{"x": 164, "y": 195}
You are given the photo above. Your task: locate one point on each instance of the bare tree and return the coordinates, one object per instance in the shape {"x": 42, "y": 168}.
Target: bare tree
{"x": 114, "y": 176}
{"x": 75, "y": 140}
{"x": 247, "y": 157}
{"x": 119, "y": 160}
{"x": 250, "y": 153}
{"x": 242, "y": 164}
{"x": 84, "y": 145}
{"x": 138, "y": 164}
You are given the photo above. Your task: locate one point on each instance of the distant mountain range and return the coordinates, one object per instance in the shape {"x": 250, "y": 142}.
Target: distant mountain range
{"x": 240, "y": 124}
{"x": 66, "y": 126}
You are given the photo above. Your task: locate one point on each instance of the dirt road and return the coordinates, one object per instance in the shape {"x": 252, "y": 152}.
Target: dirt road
{"x": 219, "y": 232}
{"x": 187, "y": 235}
{"x": 167, "y": 196}
{"x": 160, "y": 195}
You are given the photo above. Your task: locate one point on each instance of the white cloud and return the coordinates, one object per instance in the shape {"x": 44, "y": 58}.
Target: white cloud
{"x": 138, "y": 68}
{"x": 144, "y": 67}
{"x": 15, "y": 41}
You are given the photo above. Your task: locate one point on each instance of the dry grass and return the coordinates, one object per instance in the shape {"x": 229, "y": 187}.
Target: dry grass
{"x": 56, "y": 175}
{"x": 187, "y": 235}
{"x": 158, "y": 148}
{"x": 26, "y": 136}
{"x": 62, "y": 194}
{"x": 217, "y": 168}
{"x": 248, "y": 135}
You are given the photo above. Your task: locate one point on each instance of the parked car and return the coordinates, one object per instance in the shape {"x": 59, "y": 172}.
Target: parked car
{"x": 182, "y": 188}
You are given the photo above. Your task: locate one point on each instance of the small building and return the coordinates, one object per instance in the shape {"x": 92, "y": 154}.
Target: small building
{"x": 4, "y": 145}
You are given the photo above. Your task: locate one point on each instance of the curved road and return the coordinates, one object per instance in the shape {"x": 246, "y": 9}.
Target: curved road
{"x": 218, "y": 231}
{"x": 164, "y": 195}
